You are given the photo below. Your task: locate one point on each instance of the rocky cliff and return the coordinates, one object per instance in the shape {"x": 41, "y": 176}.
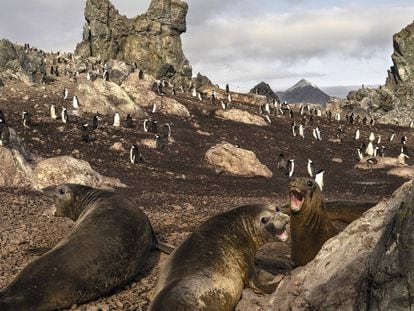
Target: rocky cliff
{"x": 394, "y": 102}
{"x": 151, "y": 40}
{"x": 264, "y": 89}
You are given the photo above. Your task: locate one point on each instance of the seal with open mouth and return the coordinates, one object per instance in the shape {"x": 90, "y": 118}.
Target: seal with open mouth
{"x": 310, "y": 226}
{"x": 209, "y": 270}
{"x": 107, "y": 247}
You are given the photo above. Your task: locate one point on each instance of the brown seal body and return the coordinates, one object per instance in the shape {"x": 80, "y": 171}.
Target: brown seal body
{"x": 209, "y": 270}
{"x": 310, "y": 225}
{"x": 105, "y": 250}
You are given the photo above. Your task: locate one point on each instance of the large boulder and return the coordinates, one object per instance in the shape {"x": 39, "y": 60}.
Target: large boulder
{"x": 106, "y": 97}
{"x": 227, "y": 158}
{"x": 14, "y": 170}
{"x": 16, "y": 62}
{"x": 338, "y": 277}
{"x": 140, "y": 91}
{"x": 65, "y": 169}
{"x": 241, "y": 116}
{"x": 382, "y": 163}
{"x": 151, "y": 40}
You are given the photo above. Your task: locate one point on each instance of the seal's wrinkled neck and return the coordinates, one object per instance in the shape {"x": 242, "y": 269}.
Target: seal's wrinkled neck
{"x": 82, "y": 200}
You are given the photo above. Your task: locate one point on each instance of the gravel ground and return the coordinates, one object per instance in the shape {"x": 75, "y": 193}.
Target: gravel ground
{"x": 174, "y": 187}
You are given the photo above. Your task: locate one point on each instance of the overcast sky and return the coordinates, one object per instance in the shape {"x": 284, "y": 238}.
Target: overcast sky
{"x": 245, "y": 42}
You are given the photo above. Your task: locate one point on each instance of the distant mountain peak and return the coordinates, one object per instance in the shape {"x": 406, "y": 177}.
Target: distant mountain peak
{"x": 304, "y": 92}
{"x": 303, "y": 83}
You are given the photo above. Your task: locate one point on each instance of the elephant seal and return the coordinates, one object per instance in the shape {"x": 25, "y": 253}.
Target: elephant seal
{"x": 209, "y": 270}
{"x": 310, "y": 225}
{"x": 105, "y": 250}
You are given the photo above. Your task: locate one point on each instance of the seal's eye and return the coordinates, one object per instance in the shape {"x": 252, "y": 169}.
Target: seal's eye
{"x": 264, "y": 220}
{"x": 310, "y": 184}
{"x": 61, "y": 191}
{"x": 277, "y": 209}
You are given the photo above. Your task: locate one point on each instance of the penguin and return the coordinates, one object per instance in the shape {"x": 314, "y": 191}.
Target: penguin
{"x": 310, "y": 168}
{"x": 338, "y": 117}
{"x": 267, "y": 108}
{"x": 339, "y": 132}
{"x": 159, "y": 144}
{"x": 360, "y": 155}
{"x": 227, "y": 88}
{"x": 4, "y": 136}
{"x": 88, "y": 76}
{"x": 129, "y": 121}
{"x": 391, "y": 137}
{"x": 26, "y": 119}
{"x": 2, "y": 118}
{"x": 381, "y": 151}
{"x": 154, "y": 108}
{"x": 64, "y": 115}
{"x": 95, "y": 122}
{"x": 318, "y": 133}
{"x": 357, "y": 134}
{"x": 371, "y": 137}
{"x": 85, "y": 133}
{"x": 267, "y": 118}
{"x": 229, "y": 98}
{"x": 291, "y": 167}
{"x": 315, "y": 135}
{"x": 199, "y": 96}
{"x": 134, "y": 155}
{"x": 154, "y": 127}
{"x": 403, "y": 140}
{"x": 319, "y": 179}
{"x": 404, "y": 150}
{"x": 301, "y": 131}
{"x": 351, "y": 119}
{"x": 174, "y": 92}
{"x": 291, "y": 114}
{"x": 372, "y": 122}
{"x": 364, "y": 121}
{"x": 411, "y": 125}
{"x": 194, "y": 93}
{"x": 75, "y": 102}
{"x": 371, "y": 162}
{"x": 301, "y": 110}
{"x": 117, "y": 120}
{"x": 146, "y": 125}
{"x": 370, "y": 149}
{"x": 166, "y": 130}
{"x": 293, "y": 128}
{"x": 106, "y": 75}
{"x": 223, "y": 105}
{"x": 141, "y": 74}
{"x": 281, "y": 162}
{"x": 53, "y": 112}
{"x": 65, "y": 93}
{"x": 378, "y": 139}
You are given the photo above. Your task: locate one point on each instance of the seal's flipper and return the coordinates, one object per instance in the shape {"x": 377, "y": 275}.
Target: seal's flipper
{"x": 257, "y": 286}
{"x": 164, "y": 247}
{"x": 38, "y": 251}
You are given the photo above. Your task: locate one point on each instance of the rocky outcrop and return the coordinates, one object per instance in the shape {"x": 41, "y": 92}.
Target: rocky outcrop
{"x": 18, "y": 63}
{"x": 390, "y": 281}
{"x": 227, "y": 158}
{"x": 199, "y": 81}
{"x": 241, "y": 116}
{"x": 65, "y": 169}
{"x": 406, "y": 172}
{"x": 338, "y": 277}
{"x": 393, "y": 102}
{"x": 382, "y": 163}
{"x": 140, "y": 91}
{"x": 151, "y": 40}
{"x": 402, "y": 70}
{"x": 106, "y": 97}
{"x": 264, "y": 89}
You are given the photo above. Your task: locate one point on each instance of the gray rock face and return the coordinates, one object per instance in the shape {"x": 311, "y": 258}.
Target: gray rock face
{"x": 390, "y": 281}
{"x": 151, "y": 40}
{"x": 264, "y": 89}
{"x": 25, "y": 65}
{"x": 403, "y": 58}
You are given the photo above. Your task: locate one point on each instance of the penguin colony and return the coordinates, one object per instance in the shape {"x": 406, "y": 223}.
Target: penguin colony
{"x": 303, "y": 127}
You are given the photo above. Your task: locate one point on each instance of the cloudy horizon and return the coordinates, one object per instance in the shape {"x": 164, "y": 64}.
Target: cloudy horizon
{"x": 331, "y": 43}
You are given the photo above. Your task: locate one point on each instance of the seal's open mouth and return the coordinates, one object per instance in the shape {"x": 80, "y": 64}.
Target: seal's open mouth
{"x": 296, "y": 200}
{"x": 282, "y": 234}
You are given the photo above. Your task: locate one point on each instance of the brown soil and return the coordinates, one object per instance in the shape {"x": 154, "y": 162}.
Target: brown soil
{"x": 175, "y": 188}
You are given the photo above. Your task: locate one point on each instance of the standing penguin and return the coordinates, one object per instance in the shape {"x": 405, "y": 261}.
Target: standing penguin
{"x": 85, "y": 133}
{"x": 159, "y": 144}
{"x": 129, "y": 121}
{"x": 291, "y": 167}
{"x": 357, "y": 134}
{"x": 293, "y": 128}
{"x": 154, "y": 126}
{"x": 319, "y": 179}
{"x": 281, "y": 162}
{"x": 301, "y": 131}
{"x": 311, "y": 168}
{"x": 117, "y": 120}
{"x": 167, "y": 131}
{"x": 53, "y": 112}
{"x": 64, "y": 115}
{"x": 370, "y": 149}
{"x": 65, "y": 93}
{"x": 135, "y": 156}
{"x": 146, "y": 125}
{"x": 26, "y": 119}
{"x": 75, "y": 102}
{"x": 95, "y": 122}
{"x": 371, "y": 137}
